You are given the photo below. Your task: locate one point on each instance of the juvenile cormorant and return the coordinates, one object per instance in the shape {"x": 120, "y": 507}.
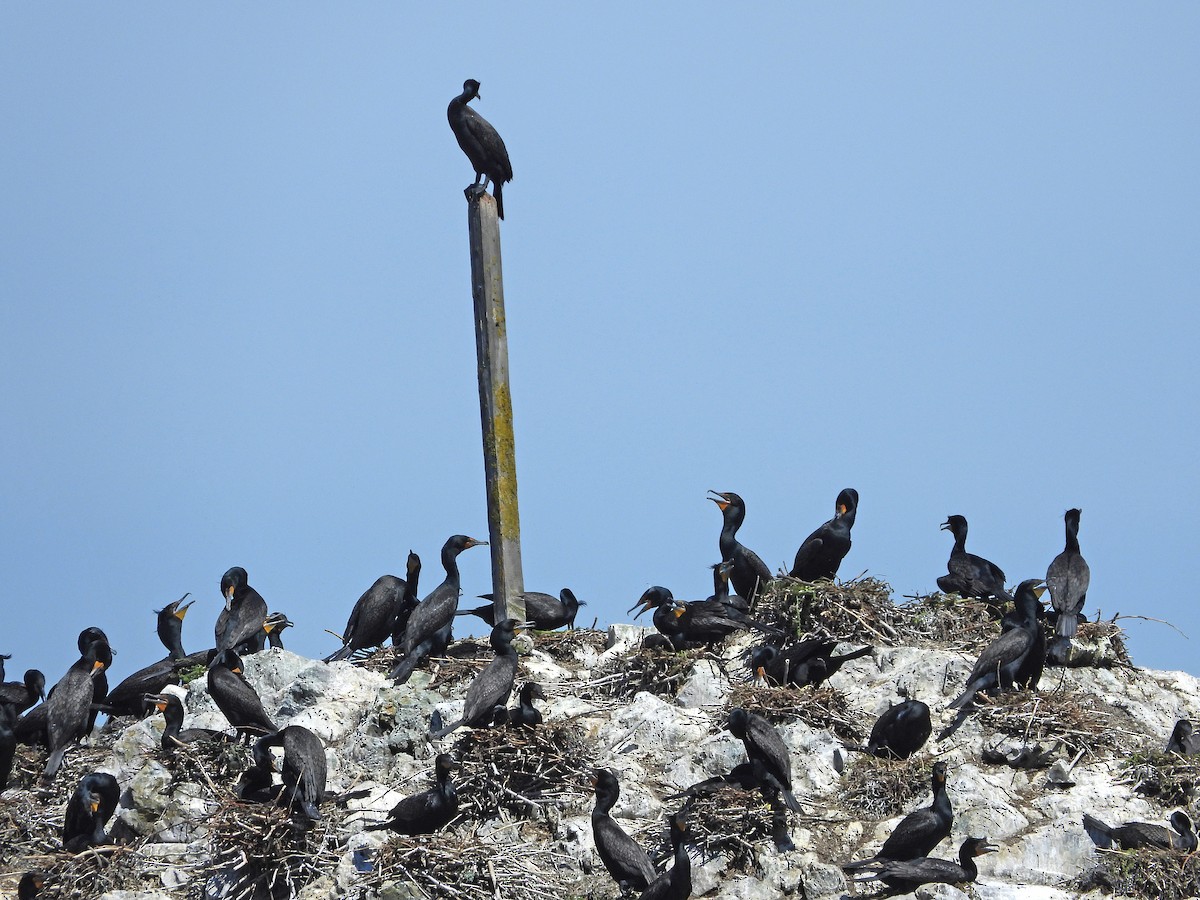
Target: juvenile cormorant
{"x": 542, "y": 611}
{"x": 235, "y": 696}
{"x": 810, "y": 661}
{"x": 1008, "y": 655}
{"x": 31, "y": 883}
{"x": 88, "y": 811}
{"x": 749, "y": 572}
{"x": 525, "y": 714}
{"x": 1067, "y": 578}
{"x": 69, "y": 703}
{"x": 823, "y": 551}
{"x": 408, "y": 599}
{"x": 428, "y": 630}
{"x": 918, "y": 832}
{"x": 174, "y": 734}
{"x": 1134, "y": 835}
{"x": 8, "y": 742}
{"x": 21, "y": 695}
{"x": 481, "y": 142}
{"x": 676, "y": 882}
{"x": 908, "y": 875}
{"x": 901, "y": 731}
{"x": 764, "y": 743}
{"x": 373, "y": 618}
{"x": 428, "y": 811}
{"x": 627, "y": 863}
{"x": 1182, "y": 740}
{"x": 494, "y": 683}
{"x": 244, "y": 613}
{"x": 968, "y": 574}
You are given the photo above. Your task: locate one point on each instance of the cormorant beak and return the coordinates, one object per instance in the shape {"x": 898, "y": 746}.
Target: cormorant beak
{"x": 721, "y": 500}
{"x": 182, "y": 611}
{"x": 474, "y": 543}
{"x": 986, "y": 848}
{"x": 94, "y": 806}
{"x": 229, "y": 600}
{"x": 97, "y": 668}
{"x": 842, "y": 509}
{"x": 236, "y": 670}
{"x": 1039, "y": 590}
{"x": 945, "y": 525}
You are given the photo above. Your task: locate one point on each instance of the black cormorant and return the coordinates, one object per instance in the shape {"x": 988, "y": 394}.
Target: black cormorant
{"x": 494, "y": 683}
{"x": 676, "y": 882}
{"x": 900, "y": 731}
{"x": 627, "y": 863}
{"x": 918, "y": 832}
{"x": 244, "y": 613}
{"x": 908, "y": 875}
{"x": 481, "y": 142}
{"x": 174, "y": 734}
{"x": 408, "y": 599}
{"x": 21, "y": 695}
{"x": 970, "y": 575}
{"x": 99, "y": 678}
{"x": 823, "y": 551}
{"x": 999, "y": 664}
{"x": 810, "y": 661}
{"x": 749, "y": 572}
{"x": 1067, "y": 578}
{"x": 428, "y": 811}
{"x": 69, "y": 704}
{"x": 764, "y": 743}
{"x": 88, "y": 811}
{"x": 235, "y": 696}
{"x": 1182, "y": 740}
{"x": 303, "y": 770}
{"x": 271, "y": 631}
{"x": 542, "y": 611}
{"x": 1133, "y": 835}
{"x": 8, "y": 742}
{"x": 429, "y": 626}
{"x": 525, "y": 714}
{"x": 126, "y": 699}
{"x": 373, "y": 618}
{"x": 31, "y": 883}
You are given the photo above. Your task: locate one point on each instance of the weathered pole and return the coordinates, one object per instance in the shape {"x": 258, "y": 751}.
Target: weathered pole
{"x": 495, "y": 405}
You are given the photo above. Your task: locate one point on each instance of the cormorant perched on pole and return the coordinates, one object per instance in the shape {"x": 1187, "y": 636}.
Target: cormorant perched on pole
{"x": 968, "y": 574}
{"x": 823, "y": 551}
{"x": 481, "y": 142}
{"x": 1067, "y": 578}
{"x": 750, "y": 573}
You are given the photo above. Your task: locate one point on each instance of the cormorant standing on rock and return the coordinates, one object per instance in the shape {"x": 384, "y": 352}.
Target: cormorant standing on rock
{"x": 69, "y": 704}
{"x": 627, "y": 863}
{"x": 494, "y": 683}
{"x": 373, "y": 618}
{"x": 244, "y": 613}
{"x": 428, "y": 811}
{"x": 1067, "y": 578}
{"x": 918, "y": 832}
{"x": 429, "y": 626}
{"x": 481, "y": 142}
{"x": 542, "y": 611}
{"x": 823, "y": 551}
{"x": 1134, "y": 835}
{"x": 908, "y": 875}
{"x": 235, "y": 696}
{"x": 1182, "y": 741}
{"x": 676, "y": 883}
{"x": 88, "y": 811}
{"x": 901, "y": 731}
{"x": 750, "y": 573}
{"x": 764, "y": 744}
{"x": 968, "y": 574}
{"x": 1006, "y": 657}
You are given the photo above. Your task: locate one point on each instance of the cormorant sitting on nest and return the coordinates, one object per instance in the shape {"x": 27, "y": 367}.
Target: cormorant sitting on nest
{"x": 492, "y": 686}
{"x": 968, "y": 574}
{"x": 627, "y": 863}
{"x": 542, "y": 611}
{"x": 303, "y": 771}
{"x": 750, "y": 573}
{"x": 244, "y": 613}
{"x": 823, "y": 551}
{"x": 31, "y": 883}
{"x": 1000, "y": 664}
{"x": 21, "y": 695}
{"x": 174, "y": 734}
{"x": 675, "y": 883}
{"x": 764, "y": 744}
{"x": 525, "y": 714}
{"x": 373, "y": 618}
{"x": 430, "y": 624}
{"x": 481, "y": 142}
{"x": 810, "y": 661}
{"x": 1182, "y": 740}
{"x": 88, "y": 811}
{"x": 908, "y": 875}
{"x": 1067, "y": 578}
{"x": 901, "y": 731}
{"x": 426, "y": 812}
{"x": 918, "y": 832}
{"x": 1134, "y": 835}
{"x": 69, "y": 705}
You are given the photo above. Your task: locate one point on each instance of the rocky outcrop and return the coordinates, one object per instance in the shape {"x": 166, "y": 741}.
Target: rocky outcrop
{"x": 654, "y": 718}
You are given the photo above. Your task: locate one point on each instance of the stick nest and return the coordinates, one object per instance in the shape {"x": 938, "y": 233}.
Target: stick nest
{"x": 822, "y": 707}
{"x": 1169, "y": 778}
{"x": 1152, "y": 874}
{"x": 727, "y": 822}
{"x": 660, "y": 672}
{"x": 882, "y": 788}
{"x": 1076, "y": 719}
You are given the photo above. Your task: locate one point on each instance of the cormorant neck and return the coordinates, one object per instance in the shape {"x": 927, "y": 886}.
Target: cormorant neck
{"x": 941, "y": 799}
{"x": 1072, "y": 537}
{"x": 171, "y": 635}
{"x": 960, "y": 539}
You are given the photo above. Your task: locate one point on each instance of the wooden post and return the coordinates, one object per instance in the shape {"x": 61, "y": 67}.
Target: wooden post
{"x": 495, "y": 405}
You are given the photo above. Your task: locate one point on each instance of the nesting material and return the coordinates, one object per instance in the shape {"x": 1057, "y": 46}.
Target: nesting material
{"x": 818, "y": 707}
{"x": 1080, "y": 721}
{"x": 882, "y": 788}
{"x": 659, "y": 672}
{"x": 1149, "y": 874}
{"x": 1169, "y": 778}
{"x": 728, "y": 822}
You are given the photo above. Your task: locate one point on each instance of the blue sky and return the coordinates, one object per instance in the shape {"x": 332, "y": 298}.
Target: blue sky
{"x": 945, "y": 254}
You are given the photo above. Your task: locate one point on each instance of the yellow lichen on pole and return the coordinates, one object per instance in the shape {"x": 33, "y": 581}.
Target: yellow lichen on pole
{"x": 495, "y": 405}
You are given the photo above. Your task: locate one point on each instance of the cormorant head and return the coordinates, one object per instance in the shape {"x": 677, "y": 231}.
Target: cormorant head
{"x": 443, "y": 765}
{"x": 35, "y": 681}
{"x": 847, "y": 501}
{"x": 567, "y": 596}
{"x": 955, "y": 525}
{"x": 231, "y": 581}
{"x": 413, "y": 566}
{"x": 1181, "y": 822}
{"x": 471, "y": 89}
{"x": 89, "y": 636}
{"x": 532, "y": 691}
{"x": 653, "y": 597}
{"x": 939, "y": 774}
{"x": 738, "y": 719}
{"x": 974, "y": 846}
{"x": 276, "y": 621}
